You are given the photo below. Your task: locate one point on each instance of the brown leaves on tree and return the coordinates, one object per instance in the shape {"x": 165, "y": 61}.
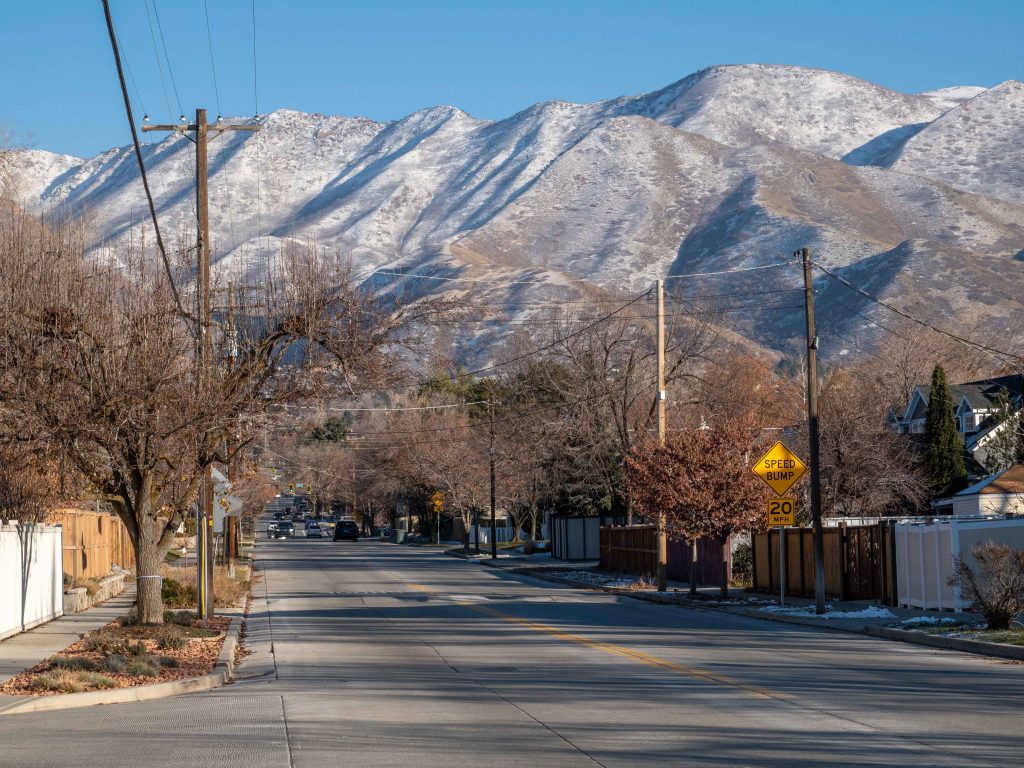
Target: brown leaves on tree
{"x": 701, "y": 480}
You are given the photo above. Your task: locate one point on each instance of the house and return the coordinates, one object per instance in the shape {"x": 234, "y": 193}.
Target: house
{"x": 998, "y": 494}
{"x": 974, "y": 408}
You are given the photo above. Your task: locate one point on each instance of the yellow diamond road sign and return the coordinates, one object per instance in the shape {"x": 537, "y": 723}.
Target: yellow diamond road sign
{"x": 780, "y": 468}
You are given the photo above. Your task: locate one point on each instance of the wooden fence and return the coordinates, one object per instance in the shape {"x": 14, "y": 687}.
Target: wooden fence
{"x": 93, "y": 543}
{"x": 630, "y": 549}
{"x": 859, "y": 562}
{"x": 634, "y": 549}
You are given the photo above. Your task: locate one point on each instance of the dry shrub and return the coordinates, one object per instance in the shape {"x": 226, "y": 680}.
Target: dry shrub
{"x": 73, "y": 663}
{"x": 71, "y": 681}
{"x": 104, "y": 641}
{"x": 180, "y": 592}
{"x": 171, "y": 638}
{"x": 996, "y": 590}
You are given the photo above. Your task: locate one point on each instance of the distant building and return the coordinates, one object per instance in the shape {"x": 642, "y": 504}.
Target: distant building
{"x": 974, "y": 407}
{"x": 998, "y": 494}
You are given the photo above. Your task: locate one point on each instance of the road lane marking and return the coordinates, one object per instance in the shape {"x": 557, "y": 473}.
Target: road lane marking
{"x": 616, "y": 650}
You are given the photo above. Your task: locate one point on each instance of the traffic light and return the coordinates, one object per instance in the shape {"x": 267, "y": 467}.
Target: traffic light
{"x": 291, "y": 487}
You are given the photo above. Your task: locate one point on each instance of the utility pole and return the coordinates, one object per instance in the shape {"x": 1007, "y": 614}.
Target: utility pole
{"x": 490, "y": 456}
{"x": 204, "y": 350}
{"x": 804, "y": 254}
{"x": 662, "y": 532}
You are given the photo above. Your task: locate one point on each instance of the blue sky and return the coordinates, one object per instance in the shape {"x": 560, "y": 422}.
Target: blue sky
{"x": 387, "y": 59}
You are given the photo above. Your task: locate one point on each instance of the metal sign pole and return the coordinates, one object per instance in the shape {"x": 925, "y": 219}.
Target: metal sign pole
{"x": 782, "y": 566}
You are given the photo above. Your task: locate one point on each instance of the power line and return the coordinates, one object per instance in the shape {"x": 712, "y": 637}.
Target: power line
{"x": 912, "y": 318}
{"x": 138, "y": 155}
{"x": 397, "y": 409}
{"x": 156, "y": 55}
{"x": 500, "y": 282}
{"x": 255, "y": 88}
{"x": 512, "y": 304}
{"x": 555, "y": 343}
{"x": 731, "y": 271}
{"x": 517, "y": 417}
{"x": 694, "y": 313}
{"x": 170, "y": 70}
{"x": 213, "y": 65}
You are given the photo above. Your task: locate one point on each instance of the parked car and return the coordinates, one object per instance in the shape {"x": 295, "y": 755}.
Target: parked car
{"x": 285, "y": 530}
{"x": 346, "y": 529}
{"x": 313, "y": 531}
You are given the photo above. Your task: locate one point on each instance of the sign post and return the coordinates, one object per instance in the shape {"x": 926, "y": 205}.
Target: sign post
{"x": 781, "y": 514}
{"x": 780, "y": 468}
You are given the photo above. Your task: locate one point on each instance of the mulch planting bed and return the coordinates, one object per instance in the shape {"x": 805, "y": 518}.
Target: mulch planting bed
{"x": 118, "y": 656}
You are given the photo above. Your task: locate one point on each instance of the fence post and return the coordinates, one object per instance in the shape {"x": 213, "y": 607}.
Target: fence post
{"x": 954, "y": 550}
{"x": 844, "y": 561}
{"x": 753, "y": 561}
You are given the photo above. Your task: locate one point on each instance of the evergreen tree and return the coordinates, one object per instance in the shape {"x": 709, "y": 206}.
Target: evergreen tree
{"x": 1003, "y": 448}
{"x": 943, "y": 452}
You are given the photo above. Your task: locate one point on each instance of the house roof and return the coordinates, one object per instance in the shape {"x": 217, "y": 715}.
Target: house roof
{"x": 981, "y": 394}
{"x": 1010, "y": 480}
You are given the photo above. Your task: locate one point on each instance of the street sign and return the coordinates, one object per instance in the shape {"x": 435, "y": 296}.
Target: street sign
{"x": 781, "y": 512}
{"x": 437, "y": 501}
{"x": 780, "y": 468}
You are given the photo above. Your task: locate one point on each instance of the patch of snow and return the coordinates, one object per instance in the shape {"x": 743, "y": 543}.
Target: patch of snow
{"x": 871, "y": 612}
{"x": 918, "y": 621}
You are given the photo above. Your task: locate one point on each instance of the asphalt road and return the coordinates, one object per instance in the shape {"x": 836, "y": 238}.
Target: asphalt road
{"x": 391, "y": 656}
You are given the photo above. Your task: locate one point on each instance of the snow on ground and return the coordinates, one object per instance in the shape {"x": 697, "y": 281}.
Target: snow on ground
{"x": 598, "y": 579}
{"x": 918, "y": 621}
{"x": 871, "y": 612}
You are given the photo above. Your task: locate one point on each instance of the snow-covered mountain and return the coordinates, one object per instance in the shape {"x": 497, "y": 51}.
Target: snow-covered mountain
{"x": 918, "y": 196}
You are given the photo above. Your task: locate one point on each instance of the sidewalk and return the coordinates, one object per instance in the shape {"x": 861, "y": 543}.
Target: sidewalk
{"x": 20, "y": 652}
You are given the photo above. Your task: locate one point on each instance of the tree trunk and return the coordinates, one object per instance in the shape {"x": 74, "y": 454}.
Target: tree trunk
{"x": 148, "y": 557}
{"x": 693, "y": 567}
{"x": 725, "y": 569}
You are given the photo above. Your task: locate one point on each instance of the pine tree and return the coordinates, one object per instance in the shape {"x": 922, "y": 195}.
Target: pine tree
{"x": 943, "y": 452}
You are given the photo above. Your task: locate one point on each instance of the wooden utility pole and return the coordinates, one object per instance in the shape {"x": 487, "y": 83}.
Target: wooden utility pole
{"x": 490, "y": 456}
{"x": 204, "y": 350}
{"x": 804, "y": 254}
{"x": 662, "y": 532}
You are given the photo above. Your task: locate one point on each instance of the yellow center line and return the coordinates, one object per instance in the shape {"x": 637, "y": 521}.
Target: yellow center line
{"x": 616, "y": 650}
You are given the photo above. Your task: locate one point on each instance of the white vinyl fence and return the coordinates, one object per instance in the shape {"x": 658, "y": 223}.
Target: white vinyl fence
{"x": 31, "y": 576}
{"x": 925, "y": 554}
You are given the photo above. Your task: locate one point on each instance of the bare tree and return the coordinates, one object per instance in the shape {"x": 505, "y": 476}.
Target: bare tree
{"x": 97, "y": 358}
{"x": 866, "y": 468}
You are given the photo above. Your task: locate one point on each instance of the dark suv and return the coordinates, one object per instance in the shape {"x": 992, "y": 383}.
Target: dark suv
{"x": 346, "y": 529}
{"x": 285, "y": 530}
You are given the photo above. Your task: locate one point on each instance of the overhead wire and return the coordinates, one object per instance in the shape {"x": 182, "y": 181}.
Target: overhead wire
{"x": 499, "y": 281}
{"x": 213, "y": 64}
{"x": 912, "y": 318}
{"x": 156, "y": 55}
{"x": 138, "y": 156}
{"x": 167, "y": 57}
{"x": 261, "y": 253}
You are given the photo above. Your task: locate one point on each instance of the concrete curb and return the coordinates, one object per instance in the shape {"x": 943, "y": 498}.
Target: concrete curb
{"x": 980, "y": 647}
{"x": 222, "y": 672}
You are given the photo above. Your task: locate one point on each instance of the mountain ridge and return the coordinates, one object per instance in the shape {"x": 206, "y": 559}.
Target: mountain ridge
{"x": 730, "y": 167}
